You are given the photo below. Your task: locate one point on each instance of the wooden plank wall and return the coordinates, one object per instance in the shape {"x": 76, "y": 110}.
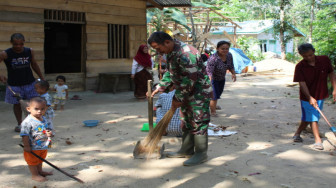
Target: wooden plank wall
{"x": 27, "y": 17}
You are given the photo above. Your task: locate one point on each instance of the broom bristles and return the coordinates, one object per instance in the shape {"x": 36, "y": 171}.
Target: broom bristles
{"x": 154, "y": 136}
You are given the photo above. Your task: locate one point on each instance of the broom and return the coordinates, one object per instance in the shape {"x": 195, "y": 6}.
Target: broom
{"x": 149, "y": 144}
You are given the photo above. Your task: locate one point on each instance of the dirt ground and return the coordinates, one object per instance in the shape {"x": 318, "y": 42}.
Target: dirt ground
{"x": 261, "y": 108}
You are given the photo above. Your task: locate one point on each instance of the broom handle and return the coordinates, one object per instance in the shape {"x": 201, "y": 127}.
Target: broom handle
{"x": 10, "y": 89}
{"x": 150, "y": 105}
{"x": 55, "y": 167}
{"x": 325, "y": 118}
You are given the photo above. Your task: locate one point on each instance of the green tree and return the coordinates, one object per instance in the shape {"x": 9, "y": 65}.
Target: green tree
{"x": 324, "y": 32}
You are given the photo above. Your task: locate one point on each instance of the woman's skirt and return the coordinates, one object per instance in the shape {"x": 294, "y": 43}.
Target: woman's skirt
{"x": 218, "y": 88}
{"x": 140, "y": 82}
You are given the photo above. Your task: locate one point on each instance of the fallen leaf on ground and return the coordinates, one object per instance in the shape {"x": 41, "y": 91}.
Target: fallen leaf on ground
{"x": 105, "y": 129}
{"x": 68, "y": 142}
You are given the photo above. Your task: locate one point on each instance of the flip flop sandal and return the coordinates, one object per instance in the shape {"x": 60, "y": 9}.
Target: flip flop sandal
{"x": 218, "y": 108}
{"x": 17, "y": 128}
{"x": 318, "y": 146}
{"x": 297, "y": 139}
{"x": 75, "y": 97}
{"x": 214, "y": 115}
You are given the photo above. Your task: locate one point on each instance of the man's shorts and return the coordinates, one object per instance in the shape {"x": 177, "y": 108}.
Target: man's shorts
{"x": 32, "y": 160}
{"x": 26, "y": 92}
{"x": 59, "y": 101}
{"x": 309, "y": 113}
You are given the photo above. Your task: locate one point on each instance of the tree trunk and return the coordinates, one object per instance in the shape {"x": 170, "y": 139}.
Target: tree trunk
{"x": 312, "y": 17}
{"x": 282, "y": 29}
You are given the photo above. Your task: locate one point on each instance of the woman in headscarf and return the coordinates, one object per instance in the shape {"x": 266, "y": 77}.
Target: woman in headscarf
{"x": 142, "y": 64}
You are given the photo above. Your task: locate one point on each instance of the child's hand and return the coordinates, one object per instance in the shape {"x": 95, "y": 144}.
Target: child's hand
{"x": 49, "y": 133}
{"x": 27, "y": 148}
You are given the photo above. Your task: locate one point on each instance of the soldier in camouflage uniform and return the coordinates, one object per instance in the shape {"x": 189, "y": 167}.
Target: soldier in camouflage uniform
{"x": 186, "y": 72}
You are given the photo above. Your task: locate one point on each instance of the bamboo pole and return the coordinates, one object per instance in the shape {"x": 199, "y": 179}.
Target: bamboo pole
{"x": 150, "y": 105}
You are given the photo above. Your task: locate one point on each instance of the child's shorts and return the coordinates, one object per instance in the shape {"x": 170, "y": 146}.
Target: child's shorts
{"x": 32, "y": 160}
{"x": 309, "y": 113}
{"x": 59, "y": 101}
{"x": 26, "y": 92}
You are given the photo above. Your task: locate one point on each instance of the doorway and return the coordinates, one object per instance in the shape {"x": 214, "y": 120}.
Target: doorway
{"x": 62, "y": 48}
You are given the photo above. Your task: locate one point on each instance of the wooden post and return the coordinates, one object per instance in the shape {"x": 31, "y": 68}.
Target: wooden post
{"x": 193, "y": 33}
{"x": 150, "y": 105}
{"x": 235, "y": 35}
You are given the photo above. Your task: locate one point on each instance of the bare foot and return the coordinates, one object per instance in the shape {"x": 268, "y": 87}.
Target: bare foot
{"x": 39, "y": 178}
{"x": 44, "y": 174}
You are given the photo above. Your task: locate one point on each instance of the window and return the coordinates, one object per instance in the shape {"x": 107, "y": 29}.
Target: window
{"x": 118, "y": 41}
{"x": 263, "y": 45}
{"x": 61, "y": 16}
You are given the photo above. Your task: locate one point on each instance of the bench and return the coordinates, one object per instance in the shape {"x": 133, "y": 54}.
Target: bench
{"x": 108, "y": 81}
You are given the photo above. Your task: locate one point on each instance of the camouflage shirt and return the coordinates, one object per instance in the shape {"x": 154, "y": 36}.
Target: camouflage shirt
{"x": 187, "y": 73}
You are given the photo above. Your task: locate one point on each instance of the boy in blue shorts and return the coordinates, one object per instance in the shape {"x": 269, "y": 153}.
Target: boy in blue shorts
{"x": 312, "y": 74}
{"x": 19, "y": 61}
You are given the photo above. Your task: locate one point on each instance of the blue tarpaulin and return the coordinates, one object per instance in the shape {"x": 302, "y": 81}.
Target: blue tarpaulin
{"x": 240, "y": 60}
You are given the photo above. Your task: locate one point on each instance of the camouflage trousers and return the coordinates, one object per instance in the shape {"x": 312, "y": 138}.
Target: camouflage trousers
{"x": 196, "y": 116}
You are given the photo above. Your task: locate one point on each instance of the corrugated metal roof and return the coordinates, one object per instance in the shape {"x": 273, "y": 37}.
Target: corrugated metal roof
{"x": 171, "y": 3}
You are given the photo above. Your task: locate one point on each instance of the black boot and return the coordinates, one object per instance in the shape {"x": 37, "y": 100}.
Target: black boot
{"x": 201, "y": 148}
{"x": 187, "y": 148}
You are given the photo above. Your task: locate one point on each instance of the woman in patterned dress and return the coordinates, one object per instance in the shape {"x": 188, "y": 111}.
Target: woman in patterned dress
{"x": 217, "y": 66}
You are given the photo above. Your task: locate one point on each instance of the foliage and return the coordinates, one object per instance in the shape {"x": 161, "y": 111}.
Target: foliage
{"x": 287, "y": 27}
{"x": 250, "y": 47}
{"x": 293, "y": 57}
{"x": 324, "y": 33}
{"x": 176, "y": 15}
{"x": 297, "y": 13}
{"x": 158, "y": 17}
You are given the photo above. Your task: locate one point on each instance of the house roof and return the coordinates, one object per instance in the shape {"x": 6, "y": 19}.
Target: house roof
{"x": 254, "y": 27}
{"x": 169, "y": 3}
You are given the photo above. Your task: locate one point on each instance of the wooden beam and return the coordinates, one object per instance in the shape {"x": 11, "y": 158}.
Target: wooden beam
{"x": 155, "y": 4}
{"x": 228, "y": 19}
{"x": 26, "y": 17}
{"x": 230, "y": 38}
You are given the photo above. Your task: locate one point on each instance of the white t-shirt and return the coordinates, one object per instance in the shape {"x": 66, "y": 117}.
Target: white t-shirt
{"x": 60, "y": 91}
{"x": 136, "y": 67}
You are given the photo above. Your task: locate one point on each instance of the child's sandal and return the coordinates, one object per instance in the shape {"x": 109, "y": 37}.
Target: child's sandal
{"x": 318, "y": 146}
{"x": 297, "y": 138}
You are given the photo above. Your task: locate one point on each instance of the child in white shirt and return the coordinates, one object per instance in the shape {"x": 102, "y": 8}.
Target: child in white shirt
{"x": 61, "y": 92}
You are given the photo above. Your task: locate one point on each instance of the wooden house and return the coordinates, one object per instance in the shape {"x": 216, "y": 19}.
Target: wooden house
{"x": 79, "y": 38}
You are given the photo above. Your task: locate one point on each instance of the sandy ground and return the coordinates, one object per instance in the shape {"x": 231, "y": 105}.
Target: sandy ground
{"x": 263, "y": 110}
